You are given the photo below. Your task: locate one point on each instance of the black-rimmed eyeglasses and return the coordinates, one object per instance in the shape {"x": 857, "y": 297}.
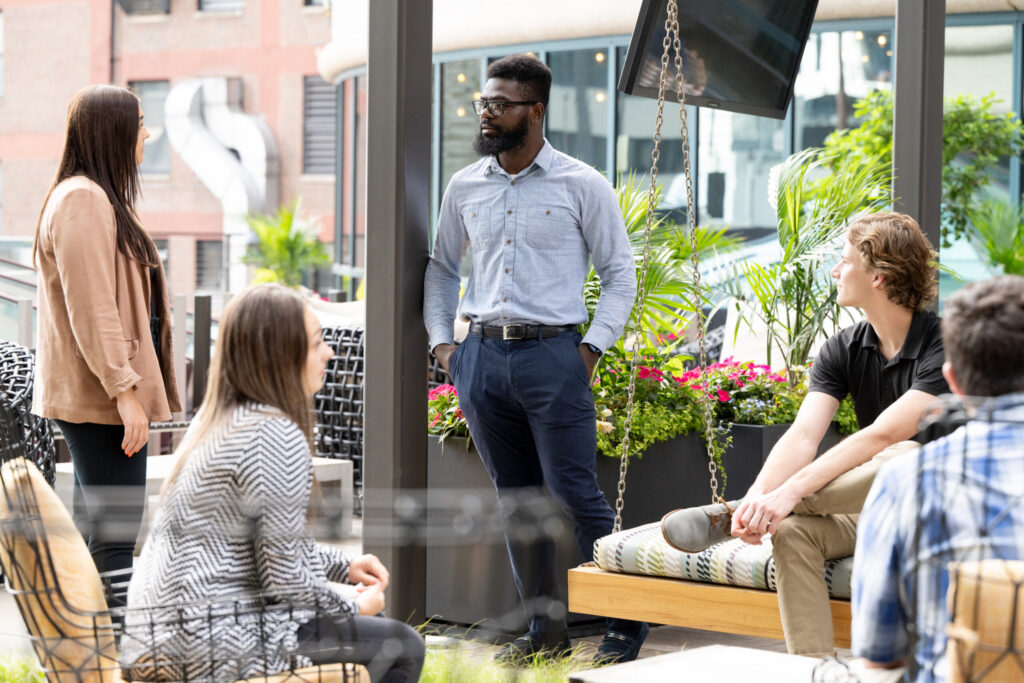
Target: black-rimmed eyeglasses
{"x": 496, "y": 107}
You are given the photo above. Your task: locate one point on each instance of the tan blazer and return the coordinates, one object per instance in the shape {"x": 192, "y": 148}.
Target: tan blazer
{"x": 93, "y": 339}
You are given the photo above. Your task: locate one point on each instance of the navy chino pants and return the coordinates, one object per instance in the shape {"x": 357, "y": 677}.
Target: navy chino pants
{"x": 530, "y": 411}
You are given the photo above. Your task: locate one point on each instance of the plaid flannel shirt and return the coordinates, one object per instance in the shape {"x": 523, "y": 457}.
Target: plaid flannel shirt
{"x": 952, "y": 490}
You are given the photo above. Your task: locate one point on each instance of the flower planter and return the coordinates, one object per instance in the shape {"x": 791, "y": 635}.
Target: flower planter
{"x": 469, "y": 579}
{"x": 674, "y": 474}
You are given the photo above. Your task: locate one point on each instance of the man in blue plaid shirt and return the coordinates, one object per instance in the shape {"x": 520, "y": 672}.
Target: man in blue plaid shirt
{"x": 955, "y": 499}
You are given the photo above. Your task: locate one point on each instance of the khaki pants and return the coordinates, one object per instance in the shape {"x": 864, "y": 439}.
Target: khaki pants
{"x": 823, "y": 526}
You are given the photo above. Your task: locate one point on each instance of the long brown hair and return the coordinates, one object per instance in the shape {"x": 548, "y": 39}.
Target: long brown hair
{"x": 259, "y": 357}
{"x": 100, "y": 141}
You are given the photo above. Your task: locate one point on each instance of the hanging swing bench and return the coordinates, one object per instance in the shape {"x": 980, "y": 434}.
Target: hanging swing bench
{"x": 604, "y": 588}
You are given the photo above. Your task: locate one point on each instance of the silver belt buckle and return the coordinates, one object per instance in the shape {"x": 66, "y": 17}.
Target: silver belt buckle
{"x": 506, "y": 336}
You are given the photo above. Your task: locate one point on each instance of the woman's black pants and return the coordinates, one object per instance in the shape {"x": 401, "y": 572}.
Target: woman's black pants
{"x": 109, "y": 493}
{"x": 392, "y": 652}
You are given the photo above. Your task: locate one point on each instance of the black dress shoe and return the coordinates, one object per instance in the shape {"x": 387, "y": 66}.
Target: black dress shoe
{"x": 532, "y": 645}
{"x": 617, "y": 648}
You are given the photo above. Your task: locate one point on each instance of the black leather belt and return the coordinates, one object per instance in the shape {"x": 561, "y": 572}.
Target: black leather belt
{"x": 518, "y": 331}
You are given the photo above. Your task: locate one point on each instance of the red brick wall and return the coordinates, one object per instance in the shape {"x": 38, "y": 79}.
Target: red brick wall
{"x": 48, "y": 57}
{"x": 46, "y": 60}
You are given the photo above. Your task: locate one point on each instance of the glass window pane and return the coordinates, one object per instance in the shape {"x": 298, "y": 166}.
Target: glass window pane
{"x": 634, "y": 140}
{"x": 838, "y": 69}
{"x": 360, "y": 187}
{"x": 319, "y": 123}
{"x": 153, "y": 96}
{"x": 460, "y": 85}
{"x": 577, "y": 116}
{"x": 209, "y": 264}
{"x": 1, "y": 53}
{"x": 737, "y": 152}
{"x": 979, "y": 62}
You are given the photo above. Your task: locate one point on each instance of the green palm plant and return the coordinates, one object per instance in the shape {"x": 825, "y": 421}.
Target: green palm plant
{"x": 795, "y": 297}
{"x": 997, "y": 232}
{"x": 669, "y": 284}
{"x": 285, "y": 246}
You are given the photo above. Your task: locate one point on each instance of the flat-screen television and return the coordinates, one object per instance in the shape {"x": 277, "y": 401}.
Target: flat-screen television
{"x": 738, "y": 55}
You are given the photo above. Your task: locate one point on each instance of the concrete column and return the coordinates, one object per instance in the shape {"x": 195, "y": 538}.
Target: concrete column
{"x": 917, "y": 120}
{"x": 397, "y": 210}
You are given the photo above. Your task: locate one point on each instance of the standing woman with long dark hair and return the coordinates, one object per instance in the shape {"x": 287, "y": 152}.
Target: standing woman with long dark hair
{"x": 104, "y": 366}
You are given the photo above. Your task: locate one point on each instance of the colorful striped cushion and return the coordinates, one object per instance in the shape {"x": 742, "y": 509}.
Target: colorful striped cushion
{"x": 733, "y": 563}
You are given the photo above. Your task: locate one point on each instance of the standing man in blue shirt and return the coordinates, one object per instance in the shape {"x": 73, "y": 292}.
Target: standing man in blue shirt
{"x": 534, "y": 218}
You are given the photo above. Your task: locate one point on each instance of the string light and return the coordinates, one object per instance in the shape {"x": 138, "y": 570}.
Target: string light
{"x": 600, "y": 96}
{"x": 882, "y": 40}
{"x": 859, "y": 35}
{"x": 599, "y": 57}
{"x": 477, "y": 95}
{"x": 461, "y": 78}
{"x": 460, "y": 112}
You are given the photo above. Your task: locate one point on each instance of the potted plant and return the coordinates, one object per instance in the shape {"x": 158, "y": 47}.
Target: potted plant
{"x": 974, "y": 139}
{"x": 997, "y": 234}
{"x": 795, "y": 298}
{"x": 752, "y": 408}
{"x": 285, "y": 246}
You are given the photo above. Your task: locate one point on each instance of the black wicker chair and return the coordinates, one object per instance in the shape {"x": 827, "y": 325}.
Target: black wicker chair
{"x": 17, "y": 370}
{"x": 63, "y": 601}
{"x": 339, "y": 404}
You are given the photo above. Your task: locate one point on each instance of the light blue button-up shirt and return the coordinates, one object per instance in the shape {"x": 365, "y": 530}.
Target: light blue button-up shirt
{"x": 532, "y": 235}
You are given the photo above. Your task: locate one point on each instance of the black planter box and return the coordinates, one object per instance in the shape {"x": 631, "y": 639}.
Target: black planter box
{"x": 469, "y": 578}
{"x": 674, "y": 474}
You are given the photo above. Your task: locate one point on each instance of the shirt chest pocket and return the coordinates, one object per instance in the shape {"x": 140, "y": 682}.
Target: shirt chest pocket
{"x": 550, "y": 228}
{"x": 481, "y": 229}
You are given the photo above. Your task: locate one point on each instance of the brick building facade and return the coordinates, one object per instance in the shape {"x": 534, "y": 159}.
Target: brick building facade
{"x": 52, "y": 48}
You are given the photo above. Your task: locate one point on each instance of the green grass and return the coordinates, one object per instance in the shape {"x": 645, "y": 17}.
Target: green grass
{"x": 465, "y": 662}
{"x": 20, "y": 667}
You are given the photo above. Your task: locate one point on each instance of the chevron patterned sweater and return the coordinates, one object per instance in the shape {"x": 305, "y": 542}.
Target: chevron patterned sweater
{"x": 229, "y": 570}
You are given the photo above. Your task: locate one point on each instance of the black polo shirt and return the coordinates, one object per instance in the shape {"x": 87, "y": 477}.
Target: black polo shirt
{"x": 851, "y": 363}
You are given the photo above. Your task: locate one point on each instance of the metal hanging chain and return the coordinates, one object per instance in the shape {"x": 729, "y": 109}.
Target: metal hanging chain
{"x": 671, "y": 41}
{"x": 703, "y": 397}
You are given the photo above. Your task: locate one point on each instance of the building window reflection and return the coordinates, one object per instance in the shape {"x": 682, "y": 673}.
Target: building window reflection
{"x": 577, "y": 117}
{"x": 460, "y": 85}
{"x": 838, "y": 69}
{"x": 737, "y": 152}
{"x": 979, "y": 62}
{"x": 634, "y": 133}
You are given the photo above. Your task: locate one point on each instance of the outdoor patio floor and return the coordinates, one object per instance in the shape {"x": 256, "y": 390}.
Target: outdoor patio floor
{"x": 662, "y": 640}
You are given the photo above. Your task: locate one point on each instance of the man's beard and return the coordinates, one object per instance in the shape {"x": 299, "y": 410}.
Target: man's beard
{"x": 502, "y": 141}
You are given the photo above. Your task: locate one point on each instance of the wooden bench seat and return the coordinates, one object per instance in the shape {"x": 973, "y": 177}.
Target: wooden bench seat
{"x": 728, "y": 588}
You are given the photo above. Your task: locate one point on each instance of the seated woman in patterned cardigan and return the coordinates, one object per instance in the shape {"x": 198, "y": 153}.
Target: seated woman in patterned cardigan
{"x": 230, "y": 583}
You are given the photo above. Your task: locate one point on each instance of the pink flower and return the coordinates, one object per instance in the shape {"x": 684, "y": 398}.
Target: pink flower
{"x": 696, "y": 386}
{"x": 644, "y": 372}
{"x": 671, "y": 337}
{"x": 459, "y": 415}
{"x": 443, "y": 390}
{"x": 437, "y": 418}
{"x": 723, "y": 396}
